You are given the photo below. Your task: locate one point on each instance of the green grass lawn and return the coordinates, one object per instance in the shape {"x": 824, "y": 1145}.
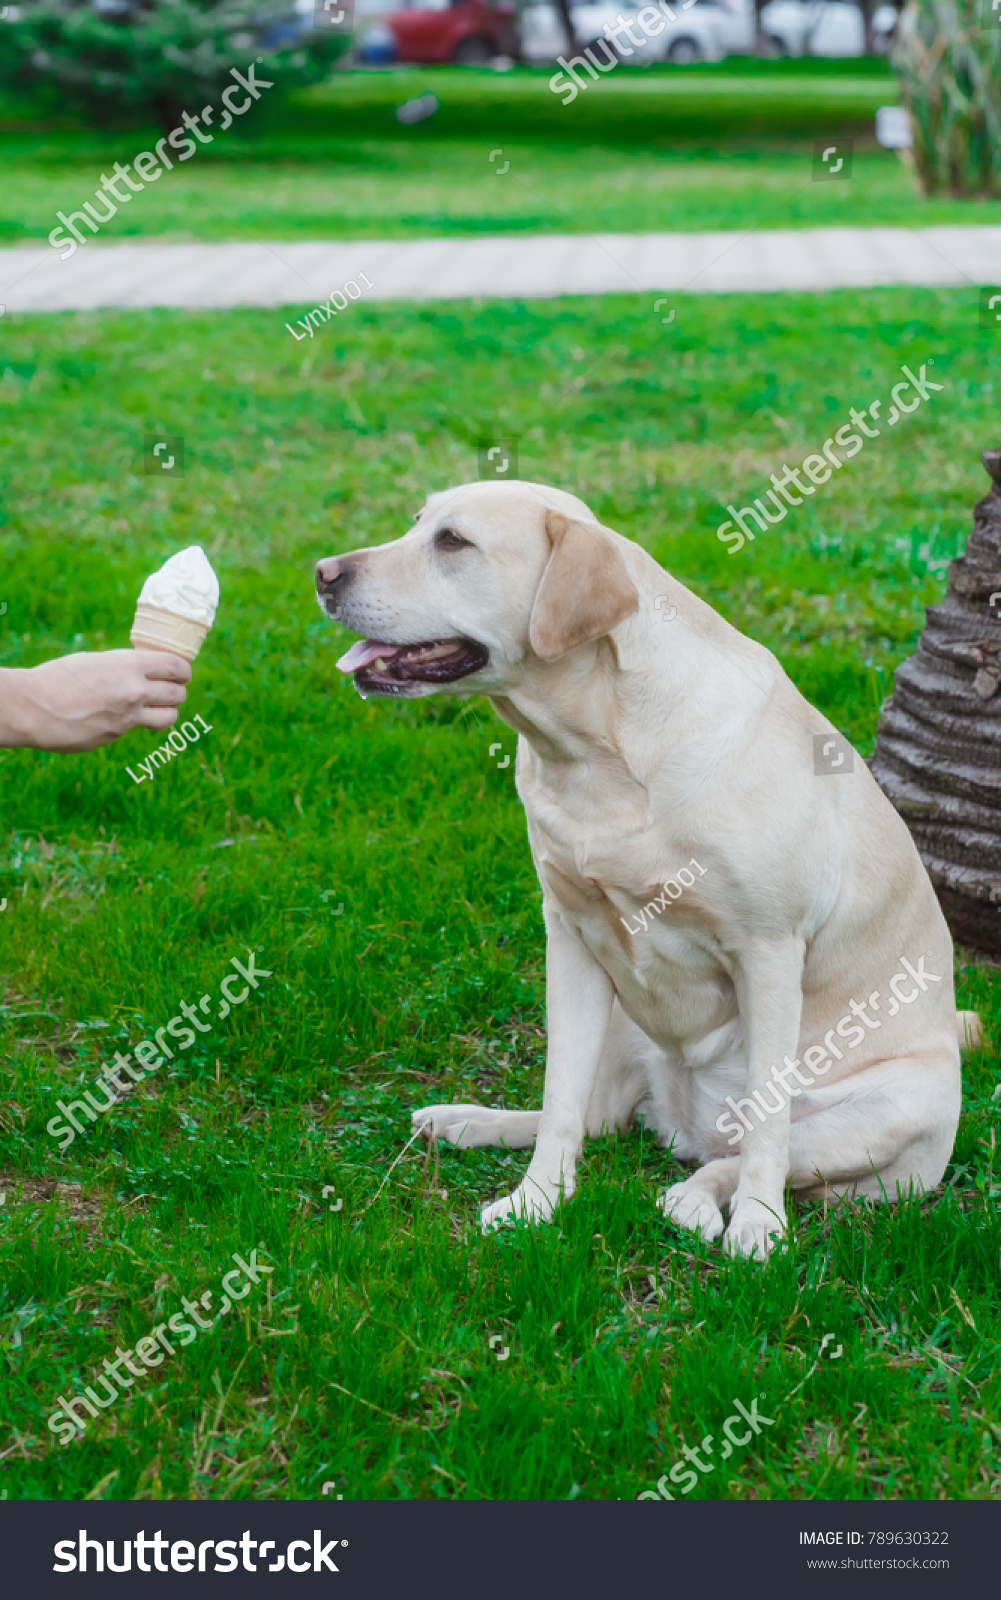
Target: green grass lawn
{"x": 668, "y": 149}
{"x": 375, "y": 860}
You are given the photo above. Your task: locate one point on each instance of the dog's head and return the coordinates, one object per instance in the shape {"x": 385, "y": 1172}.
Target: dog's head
{"x": 489, "y": 573}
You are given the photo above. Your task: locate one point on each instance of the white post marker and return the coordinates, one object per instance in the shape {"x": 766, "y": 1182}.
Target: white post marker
{"x": 893, "y": 128}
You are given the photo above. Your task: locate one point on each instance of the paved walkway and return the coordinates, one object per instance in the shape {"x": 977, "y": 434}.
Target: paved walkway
{"x": 222, "y": 275}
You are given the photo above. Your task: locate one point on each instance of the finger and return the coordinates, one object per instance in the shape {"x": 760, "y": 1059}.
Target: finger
{"x": 163, "y": 693}
{"x": 159, "y": 664}
{"x": 157, "y": 718}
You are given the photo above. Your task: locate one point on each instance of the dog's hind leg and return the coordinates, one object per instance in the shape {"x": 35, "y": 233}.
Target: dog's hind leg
{"x": 697, "y": 1202}
{"x": 469, "y": 1126}
{"x": 887, "y": 1129}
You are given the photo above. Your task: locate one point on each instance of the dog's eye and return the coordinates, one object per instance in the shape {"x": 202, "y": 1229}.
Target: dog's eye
{"x": 448, "y": 539}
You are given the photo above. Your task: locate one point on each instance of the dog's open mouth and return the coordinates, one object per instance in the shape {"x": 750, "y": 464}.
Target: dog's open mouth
{"x": 381, "y": 668}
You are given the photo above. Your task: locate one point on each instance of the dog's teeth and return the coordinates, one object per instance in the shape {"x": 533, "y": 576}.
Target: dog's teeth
{"x": 379, "y": 664}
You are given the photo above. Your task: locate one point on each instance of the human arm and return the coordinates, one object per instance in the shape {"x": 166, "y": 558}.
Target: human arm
{"x": 82, "y": 701}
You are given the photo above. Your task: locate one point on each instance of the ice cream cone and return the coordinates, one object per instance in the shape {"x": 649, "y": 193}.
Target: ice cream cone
{"x": 155, "y": 629}
{"x": 177, "y": 605}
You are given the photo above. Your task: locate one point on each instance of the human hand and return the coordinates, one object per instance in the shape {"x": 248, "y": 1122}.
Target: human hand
{"x": 82, "y": 701}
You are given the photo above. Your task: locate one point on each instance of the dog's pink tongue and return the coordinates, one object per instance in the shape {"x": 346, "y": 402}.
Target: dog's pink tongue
{"x": 365, "y": 651}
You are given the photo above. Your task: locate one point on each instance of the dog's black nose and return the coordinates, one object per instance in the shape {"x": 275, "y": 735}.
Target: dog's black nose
{"x": 328, "y": 571}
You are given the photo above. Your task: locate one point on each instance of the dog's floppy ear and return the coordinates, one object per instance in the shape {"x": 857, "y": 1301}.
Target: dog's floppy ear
{"x": 585, "y": 589}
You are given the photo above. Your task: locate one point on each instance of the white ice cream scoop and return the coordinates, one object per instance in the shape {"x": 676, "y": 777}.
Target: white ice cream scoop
{"x": 177, "y": 605}
{"x": 185, "y": 585}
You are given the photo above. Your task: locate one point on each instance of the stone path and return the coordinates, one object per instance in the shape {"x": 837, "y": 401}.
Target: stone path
{"x": 229, "y": 275}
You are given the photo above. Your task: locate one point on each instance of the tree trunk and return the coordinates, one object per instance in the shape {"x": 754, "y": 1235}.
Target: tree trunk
{"x": 759, "y": 32}
{"x": 563, "y": 7}
{"x": 938, "y": 746}
{"x": 869, "y": 37}
{"x": 169, "y": 109}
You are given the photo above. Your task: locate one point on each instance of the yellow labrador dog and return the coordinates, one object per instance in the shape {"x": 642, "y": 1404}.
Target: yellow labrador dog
{"x": 742, "y": 944}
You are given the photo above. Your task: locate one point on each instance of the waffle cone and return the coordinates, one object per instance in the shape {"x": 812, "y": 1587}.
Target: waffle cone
{"x": 154, "y": 629}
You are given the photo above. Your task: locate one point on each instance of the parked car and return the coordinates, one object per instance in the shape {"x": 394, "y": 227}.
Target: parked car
{"x": 825, "y": 27}
{"x": 708, "y": 30}
{"x": 468, "y": 31}
{"x": 281, "y": 27}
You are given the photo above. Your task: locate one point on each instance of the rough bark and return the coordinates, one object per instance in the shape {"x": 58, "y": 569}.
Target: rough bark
{"x": 938, "y": 746}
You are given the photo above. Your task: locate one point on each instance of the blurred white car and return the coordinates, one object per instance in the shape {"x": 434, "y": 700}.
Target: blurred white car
{"x": 824, "y": 27}
{"x": 706, "y": 30}
{"x": 703, "y": 30}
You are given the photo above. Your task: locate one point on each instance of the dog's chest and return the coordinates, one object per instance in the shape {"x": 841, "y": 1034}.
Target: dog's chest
{"x": 667, "y": 978}
{"x": 599, "y": 891}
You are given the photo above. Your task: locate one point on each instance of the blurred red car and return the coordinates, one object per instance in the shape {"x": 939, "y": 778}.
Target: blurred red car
{"x": 468, "y": 31}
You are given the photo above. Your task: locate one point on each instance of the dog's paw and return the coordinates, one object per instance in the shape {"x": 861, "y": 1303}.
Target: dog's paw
{"x": 754, "y": 1230}
{"x": 689, "y": 1206}
{"x": 464, "y": 1126}
{"x": 527, "y": 1203}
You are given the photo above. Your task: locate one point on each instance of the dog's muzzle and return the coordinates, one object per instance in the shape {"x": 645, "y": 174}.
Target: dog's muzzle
{"x": 382, "y": 667}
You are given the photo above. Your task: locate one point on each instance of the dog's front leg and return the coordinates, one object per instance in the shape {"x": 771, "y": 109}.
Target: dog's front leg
{"x": 769, "y": 984}
{"x": 579, "y": 995}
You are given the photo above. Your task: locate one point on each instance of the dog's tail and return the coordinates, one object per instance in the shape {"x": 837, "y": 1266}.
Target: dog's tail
{"x": 970, "y": 1029}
